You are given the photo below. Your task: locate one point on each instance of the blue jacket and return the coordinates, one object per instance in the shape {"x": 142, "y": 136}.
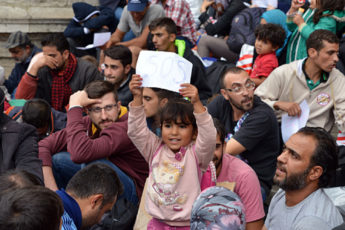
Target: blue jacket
{"x": 71, "y": 218}
{"x": 83, "y": 18}
{"x": 18, "y": 71}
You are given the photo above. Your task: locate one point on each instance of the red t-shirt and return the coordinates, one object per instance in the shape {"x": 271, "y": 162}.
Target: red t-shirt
{"x": 264, "y": 64}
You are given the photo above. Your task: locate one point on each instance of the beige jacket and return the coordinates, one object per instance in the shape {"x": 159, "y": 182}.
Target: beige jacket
{"x": 326, "y": 101}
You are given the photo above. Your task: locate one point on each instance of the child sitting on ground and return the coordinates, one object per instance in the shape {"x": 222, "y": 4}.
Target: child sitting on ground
{"x": 175, "y": 159}
{"x": 269, "y": 38}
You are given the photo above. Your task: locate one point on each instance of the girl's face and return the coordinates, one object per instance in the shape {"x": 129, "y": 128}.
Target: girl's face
{"x": 151, "y": 102}
{"x": 176, "y": 135}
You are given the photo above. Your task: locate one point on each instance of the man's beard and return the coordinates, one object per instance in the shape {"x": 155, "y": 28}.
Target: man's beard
{"x": 240, "y": 106}
{"x": 294, "y": 181}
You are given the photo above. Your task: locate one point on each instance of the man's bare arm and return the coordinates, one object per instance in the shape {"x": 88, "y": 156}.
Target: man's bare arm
{"x": 234, "y": 147}
{"x": 138, "y": 41}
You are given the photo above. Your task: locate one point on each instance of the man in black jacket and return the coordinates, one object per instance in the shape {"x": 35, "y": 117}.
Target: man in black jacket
{"x": 118, "y": 71}
{"x": 19, "y": 148}
{"x": 164, "y": 32}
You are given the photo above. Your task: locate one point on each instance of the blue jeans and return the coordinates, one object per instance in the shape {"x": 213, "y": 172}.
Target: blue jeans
{"x": 117, "y": 14}
{"x": 64, "y": 169}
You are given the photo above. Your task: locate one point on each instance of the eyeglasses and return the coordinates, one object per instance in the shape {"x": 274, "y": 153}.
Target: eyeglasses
{"x": 238, "y": 89}
{"x": 107, "y": 108}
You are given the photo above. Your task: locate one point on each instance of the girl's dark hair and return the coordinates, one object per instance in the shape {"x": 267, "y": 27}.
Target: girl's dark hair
{"x": 178, "y": 108}
{"x": 327, "y": 5}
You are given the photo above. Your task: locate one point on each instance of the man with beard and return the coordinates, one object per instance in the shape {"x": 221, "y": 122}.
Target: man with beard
{"x": 250, "y": 125}
{"x": 314, "y": 79}
{"x": 118, "y": 71}
{"x": 22, "y": 51}
{"x": 247, "y": 186}
{"x": 164, "y": 38}
{"x": 306, "y": 165}
{"x": 100, "y": 136}
{"x": 56, "y": 73}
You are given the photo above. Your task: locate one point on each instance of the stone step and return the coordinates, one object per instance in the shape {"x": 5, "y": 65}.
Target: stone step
{"x": 34, "y": 17}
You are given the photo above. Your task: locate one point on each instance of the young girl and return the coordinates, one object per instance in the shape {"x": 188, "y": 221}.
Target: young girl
{"x": 153, "y": 100}
{"x": 175, "y": 160}
{"x": 322, "y": 14}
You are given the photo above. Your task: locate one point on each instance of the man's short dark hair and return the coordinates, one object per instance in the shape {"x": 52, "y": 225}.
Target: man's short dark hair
{"x": 37, "y": 112}
{"x": 13, "y": 179}
{"x": 325, "y": 154}
{"x": 220, "y": 129}
{"x": 57, "y": 40}
{"x": 121, "y": 53}
{"x": 273, "y": 33}
{"x": 165, "y": 22}
{"x": 163, "y": 93}
{"x": 99, "y": 88}
{"x": 317, "y": 38}
{"x": 31, "y": 208}
{"x": 94, "y": 179}
{"x": 232, "y": 70}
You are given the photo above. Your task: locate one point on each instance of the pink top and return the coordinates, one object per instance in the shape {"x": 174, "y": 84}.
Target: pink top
{"x": 173, "y": 183}
{"x": 247, "y": 185}
{"x": 264, "y": 64}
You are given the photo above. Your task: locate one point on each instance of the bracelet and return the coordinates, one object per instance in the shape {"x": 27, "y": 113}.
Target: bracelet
{"x": 31, "y": 75}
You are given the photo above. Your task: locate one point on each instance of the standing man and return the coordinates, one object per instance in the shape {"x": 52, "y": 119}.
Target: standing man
{"x": 56, "y": 73}
{"x": 22, "y": 51}
{"x": 118, "y": 71}
{"x": 251, "y": 126}
{"x": 164, "y": 33}
{"x": 314, "y": 79}
{"x": 306, "y": 165}
{"x": 100, "y": 136}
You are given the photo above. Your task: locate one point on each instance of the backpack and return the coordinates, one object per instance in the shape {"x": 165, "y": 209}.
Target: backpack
{"x": 243, "y": 28}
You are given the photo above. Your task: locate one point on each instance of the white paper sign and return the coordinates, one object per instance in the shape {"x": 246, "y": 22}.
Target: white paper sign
{"x": 291, "y": 125}
{"x": 99, "y": 39}
{"x": 165, "y": 70}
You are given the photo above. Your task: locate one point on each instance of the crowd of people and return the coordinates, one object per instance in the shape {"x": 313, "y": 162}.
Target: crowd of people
{"x": 84, "y": 145}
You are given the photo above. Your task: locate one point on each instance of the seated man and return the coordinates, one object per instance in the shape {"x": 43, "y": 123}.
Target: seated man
{"x": 247, "y": 186}
{"x": 179, "y": 11}
{"x": 251, "y": 126}
{"x": 30, "y": 208}
{"x": 18, "y": 145}
{"x": 313, "y": 79}
{"x": 307, "y": 164}
{"x": 118, "y": 71}
{"x": 38, "y": 113}
{"x": 22, "y": 51}
{"x": 89, "y": 194}
{"x": 102, "y": 135}
{"x": 164, "y": 32}
{"x": 56, "y": 73}
{"x": 88, "y": 20}
{"x": 136, "y": 16}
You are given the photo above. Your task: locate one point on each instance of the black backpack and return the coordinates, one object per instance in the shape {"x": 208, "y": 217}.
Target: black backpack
{"x": 242, "y": 28}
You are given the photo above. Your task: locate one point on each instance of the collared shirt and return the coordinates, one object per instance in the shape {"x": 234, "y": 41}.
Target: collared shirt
{"x": 179, "y": 11}
{"x": 310, "y": 83}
